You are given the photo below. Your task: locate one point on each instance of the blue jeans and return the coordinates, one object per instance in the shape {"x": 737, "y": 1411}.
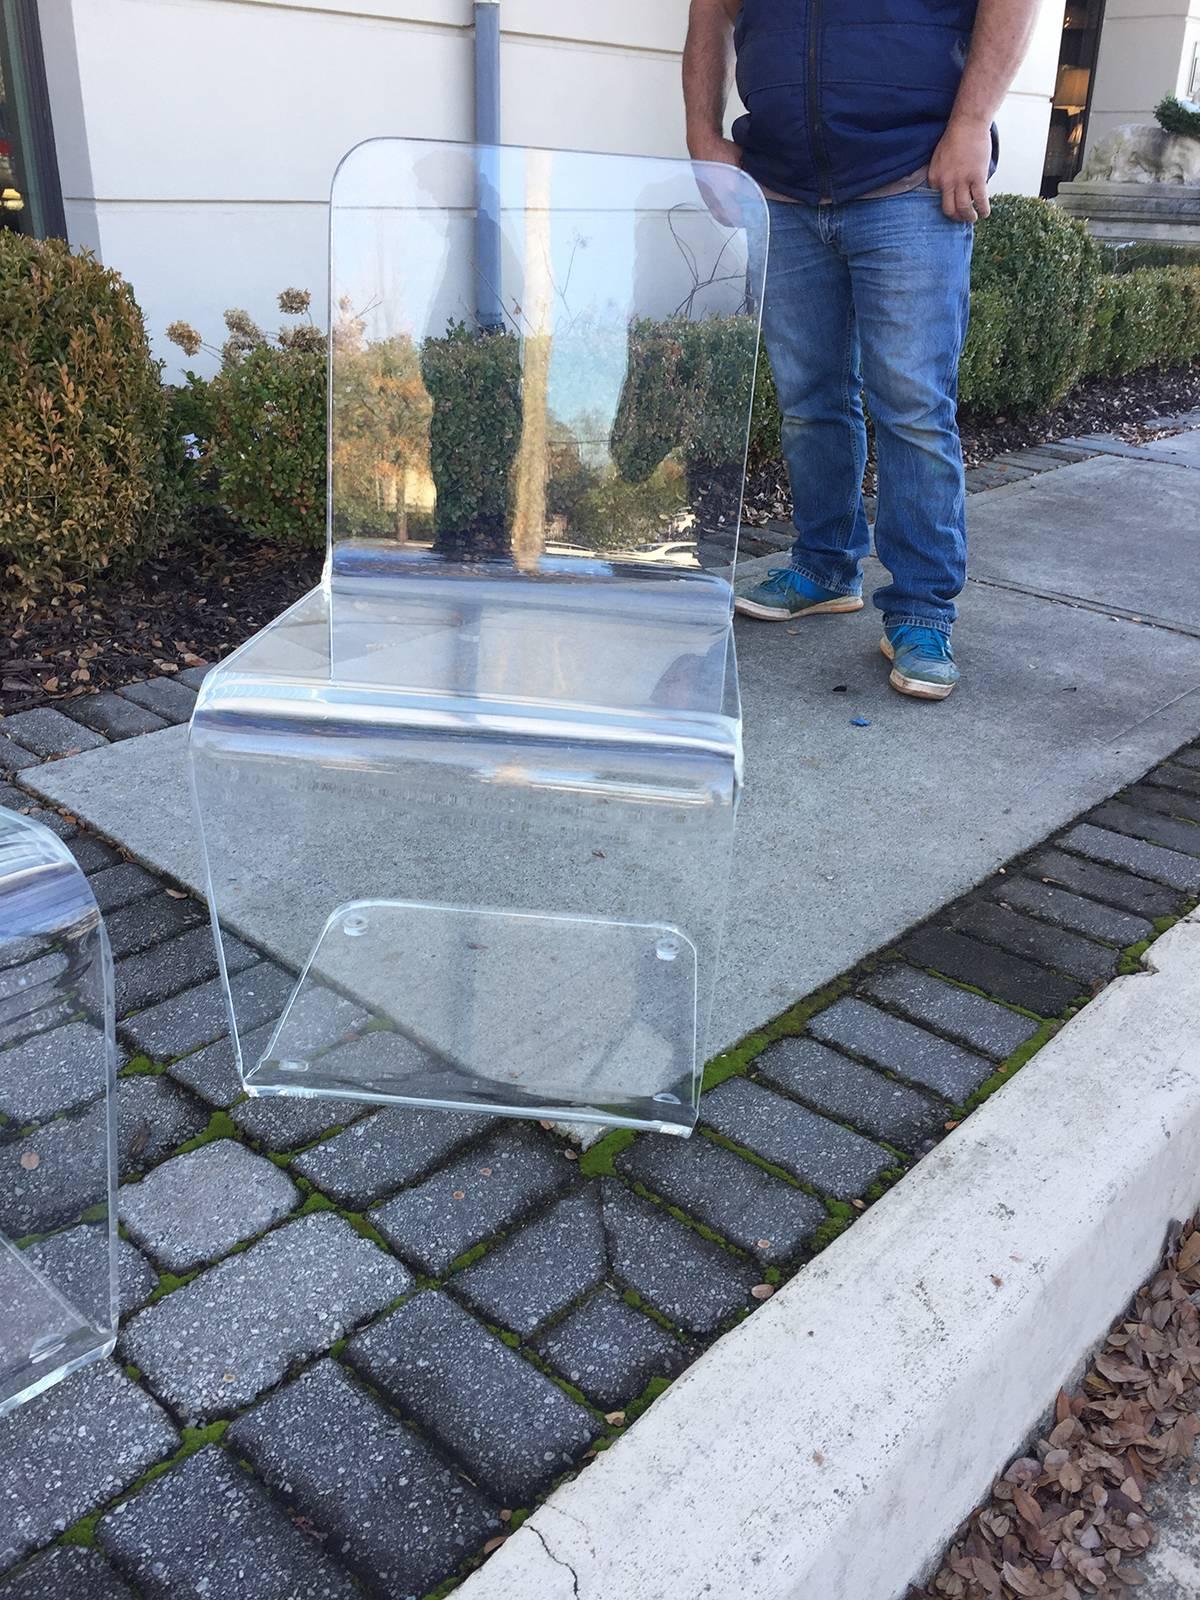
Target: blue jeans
{"x": 873, "y": 295}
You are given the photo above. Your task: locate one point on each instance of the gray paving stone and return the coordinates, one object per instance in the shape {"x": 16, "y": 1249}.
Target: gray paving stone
{"x": 69, "y": 1175}
{"x": 995, "y": 971}
{"x": 279, "y": 1123}
{"x": 1072, "y": 911}
{"x": 610, "y": 1351}
{"x": 759, "y": 1213}
{"x": 14, "y": 757}
{"x": 70, "y": 1260}
{"x": 212, "y": 1071}
{"x": 155, "y": 975}
{"x": 1169, "y": 832}
{"x": 68, "y": 1572}
{"x": 539, "y": 1270}
{"x": 49, "y": 818}
{"x": 1133, "y": 855}
{"x": 91, "y": 853}
{"x": 220, "y": 1341}
{"x": 689, "y": 1279}
{"x": 147, "y": 922}
{"x": 72, "y": 1449}
{"x": 838, "y": 1087}
{"x": 194, "y": 676}
{"x": 198, "y": 1016}
{"x": 154, "y": 1116}
{"x": 384, "y": 1151}
{"x": 115, "y": 887}
{"x": 512, "y": 1428}
{"x": 111, "y": 715}
{"x": 194, "y": 1208}
{"x": 1150, "y": 797}
{"x": 51, "y": 1072}
{"x": 167, "y": 698}
{"x": 986, "y": 1027}
{"x": 475, "y": 1197}
{"x": 207, "y": 1529}
{"x": 810, "y": 1147}
{"x": 1114, "y": 888}
{"x": 47, "y": 732}
{"x": 901, "y": 1047}
{"x": 1050, "y": 947}
{"x": 393, "y": 1511}
{"x": 1173, "y": 776}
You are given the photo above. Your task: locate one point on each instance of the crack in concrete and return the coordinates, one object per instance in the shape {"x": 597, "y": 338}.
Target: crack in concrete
{"x": 557, "y": 1560}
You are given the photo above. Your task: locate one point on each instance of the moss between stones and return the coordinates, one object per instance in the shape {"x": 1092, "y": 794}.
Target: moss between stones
{"x": 83, "y": 1532}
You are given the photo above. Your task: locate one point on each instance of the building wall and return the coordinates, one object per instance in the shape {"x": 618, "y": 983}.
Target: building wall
{"x": 197, "y": 138}
{"x": 1146, "y": 52}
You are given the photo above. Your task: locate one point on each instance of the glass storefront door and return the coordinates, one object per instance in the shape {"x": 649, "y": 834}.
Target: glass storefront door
{"x": 30, "y": 195}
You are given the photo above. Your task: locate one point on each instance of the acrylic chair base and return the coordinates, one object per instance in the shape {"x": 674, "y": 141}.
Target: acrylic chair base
{"x": 493, "y": 1011}
{"x": 57, "y": 1096}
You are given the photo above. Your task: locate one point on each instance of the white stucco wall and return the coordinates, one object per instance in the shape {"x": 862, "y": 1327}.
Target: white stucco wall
{"x": 197, "y": 138}
{"x": 1146, "y": 52}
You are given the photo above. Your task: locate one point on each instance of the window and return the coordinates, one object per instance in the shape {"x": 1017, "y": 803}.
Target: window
{"x": 1072, "y": 92}
{"x": 30, "y": 196}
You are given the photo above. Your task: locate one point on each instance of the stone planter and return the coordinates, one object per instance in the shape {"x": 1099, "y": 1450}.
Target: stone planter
{"x": 1139, "y": 183}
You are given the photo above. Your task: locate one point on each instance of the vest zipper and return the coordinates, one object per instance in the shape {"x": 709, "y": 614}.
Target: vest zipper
{"x": 815, "y": 133}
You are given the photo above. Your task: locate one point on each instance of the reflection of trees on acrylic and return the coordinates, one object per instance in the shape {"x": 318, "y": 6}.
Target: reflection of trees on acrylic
{"x": 435, "y": 445}
{"x": 380, "y": 455}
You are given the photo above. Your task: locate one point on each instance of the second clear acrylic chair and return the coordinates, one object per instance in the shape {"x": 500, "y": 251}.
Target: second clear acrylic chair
{"x": 475, "y": 793}
{"x": 57, "y": 1116}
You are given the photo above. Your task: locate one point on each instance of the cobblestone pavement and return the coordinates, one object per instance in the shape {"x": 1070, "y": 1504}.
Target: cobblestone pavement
{"x": 357, "y": 1345}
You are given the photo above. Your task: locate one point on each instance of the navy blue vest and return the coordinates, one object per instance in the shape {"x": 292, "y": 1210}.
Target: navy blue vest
{"x": 844, "y": 96}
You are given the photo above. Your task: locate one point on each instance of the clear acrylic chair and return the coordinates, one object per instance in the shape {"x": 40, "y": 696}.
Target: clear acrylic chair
{"x": 57, "y": 1116}
{"x": 475, "y": 793}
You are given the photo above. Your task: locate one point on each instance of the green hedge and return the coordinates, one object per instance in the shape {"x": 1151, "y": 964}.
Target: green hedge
{"x": 1035, "y": 279}
{"x": 86, "y": 478}
{"x": 1147, "y": 317}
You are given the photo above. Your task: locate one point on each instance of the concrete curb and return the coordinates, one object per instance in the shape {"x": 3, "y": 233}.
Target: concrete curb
{"x": 829, "y": 1446}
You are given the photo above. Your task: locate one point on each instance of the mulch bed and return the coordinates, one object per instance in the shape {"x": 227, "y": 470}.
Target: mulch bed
{"x": 1068, "y": 1518}
{"x": 198, "y": 601}
{"x": 1128, "y": 407}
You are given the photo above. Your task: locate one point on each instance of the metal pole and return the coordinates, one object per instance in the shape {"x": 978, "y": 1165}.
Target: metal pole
{"x": 488, "y": 308}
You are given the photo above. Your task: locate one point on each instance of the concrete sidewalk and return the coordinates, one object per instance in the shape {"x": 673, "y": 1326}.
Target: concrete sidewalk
{"x": 849, "y": 834}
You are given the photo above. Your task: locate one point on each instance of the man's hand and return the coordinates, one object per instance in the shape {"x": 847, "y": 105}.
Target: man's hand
{"x": 959, "y": 168}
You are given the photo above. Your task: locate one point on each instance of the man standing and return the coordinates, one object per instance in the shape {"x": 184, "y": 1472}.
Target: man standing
{"x": 869, "y": 125}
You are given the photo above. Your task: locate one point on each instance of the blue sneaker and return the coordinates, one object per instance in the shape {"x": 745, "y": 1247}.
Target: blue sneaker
{"x": 922, "y": 661}
{"x": 786, "y": 593}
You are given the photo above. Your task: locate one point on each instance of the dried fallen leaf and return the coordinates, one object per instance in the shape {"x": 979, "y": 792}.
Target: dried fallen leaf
{"x": 177, "y": 894}
{"x": 762, "y": 1291}
{"x": 494, "y": 1544}
{"x": 614, "y": 1418}
{"x": 459, "y": 1194}
{"x": 30, "y": 1159}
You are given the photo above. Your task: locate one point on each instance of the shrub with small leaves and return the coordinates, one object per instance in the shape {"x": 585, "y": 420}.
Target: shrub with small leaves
{"x": 1174, "y": 115}
{"x": 1046, "y": 266}
{"x": 85, "y": 477}
{"x": 1148, "y": 317}
{"x": 255, "y": 434}
{"x": 266, "y": 443}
